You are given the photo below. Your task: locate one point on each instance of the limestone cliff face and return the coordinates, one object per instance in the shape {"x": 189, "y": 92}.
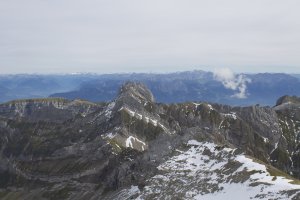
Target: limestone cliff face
{"x": 60, "y": 149}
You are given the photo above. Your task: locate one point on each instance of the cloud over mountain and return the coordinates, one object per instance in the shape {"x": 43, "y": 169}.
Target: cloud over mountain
{"x": 235, "y": 82}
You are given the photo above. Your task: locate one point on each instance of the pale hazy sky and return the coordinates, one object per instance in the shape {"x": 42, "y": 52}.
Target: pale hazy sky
{"x": 65, "y": 36}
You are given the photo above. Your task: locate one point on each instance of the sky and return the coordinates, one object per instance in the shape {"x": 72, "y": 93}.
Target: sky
{"x": 113, "y": 36}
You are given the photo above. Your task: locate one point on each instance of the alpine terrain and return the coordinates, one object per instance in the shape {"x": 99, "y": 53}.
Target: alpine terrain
{"x": 134, "y": 148}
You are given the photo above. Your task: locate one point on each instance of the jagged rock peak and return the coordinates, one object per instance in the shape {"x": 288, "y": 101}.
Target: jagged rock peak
{"x": 288, "y": 99}
{"x": 137, "y": 91}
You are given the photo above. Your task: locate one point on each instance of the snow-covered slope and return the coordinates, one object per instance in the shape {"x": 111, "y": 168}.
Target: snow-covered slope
{"x": 206, "y": 171}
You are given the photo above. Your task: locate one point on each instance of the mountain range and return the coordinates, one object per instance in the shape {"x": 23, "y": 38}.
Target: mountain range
{"x": 133, "y": 147}
{"x": 235, "y": 90}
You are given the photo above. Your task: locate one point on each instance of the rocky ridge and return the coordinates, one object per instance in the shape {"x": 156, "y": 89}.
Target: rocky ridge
{"x": 61, "y": 149}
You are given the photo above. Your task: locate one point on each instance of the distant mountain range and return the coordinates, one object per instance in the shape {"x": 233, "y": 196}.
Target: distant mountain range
{"x": 261, "y": 89}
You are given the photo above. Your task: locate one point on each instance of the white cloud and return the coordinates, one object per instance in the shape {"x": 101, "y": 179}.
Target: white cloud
{"x": 235, "y": 82}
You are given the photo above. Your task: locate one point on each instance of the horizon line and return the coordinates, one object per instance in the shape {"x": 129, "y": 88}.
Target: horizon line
{"x": 132, "y": 72}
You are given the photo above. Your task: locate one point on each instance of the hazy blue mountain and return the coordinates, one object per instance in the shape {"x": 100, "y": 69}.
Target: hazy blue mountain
{"x": 36, "y": 86}
{"x": 296, "y": 75}
{"x": 263, "y": 89}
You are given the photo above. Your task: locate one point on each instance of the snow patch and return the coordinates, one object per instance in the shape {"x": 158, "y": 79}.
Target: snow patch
{"x": 266, "y": 140}
{"x": 109, "y": 109}
{"x": 230, "y": 115}
{"x": 129, "y": 142}
{"x": 110, "y": 135}
{"x": 147, "y": 119}
{"x": 210, "y": 107}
